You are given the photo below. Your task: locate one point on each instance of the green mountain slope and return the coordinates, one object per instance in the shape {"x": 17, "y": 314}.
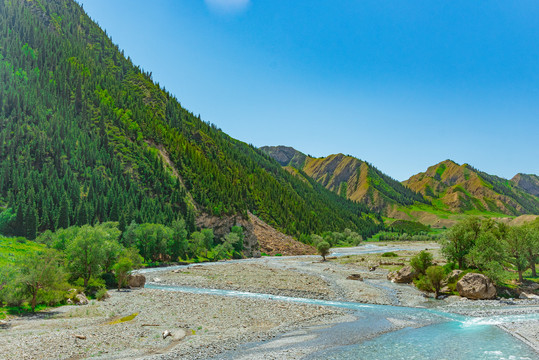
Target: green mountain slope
{"x": 347, "y": 176}
{"x": 460, "y": 188}
{"x": 87, "y": 136}
{"x": 528, "y": 183}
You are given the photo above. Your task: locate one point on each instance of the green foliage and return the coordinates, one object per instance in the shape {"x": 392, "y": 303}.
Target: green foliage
{"x": 92, "y": 287}
{"x": 515, "y": 247}
{"x": 323, "y": 249}
{"x": 121, "y": 270}
{"x": 390, "y": 254}
{"x": 434, "y": 277}
{"x": 460, "y": 239}
{"x": 489, "y": 246}
{"x": 7, "y": 218}
{"x": 421, "y": 262}
{"x": 101, "y": 294}
{"x": 404, "y": 236}
{"x": 86, "y": 252}
{"x": 87, "y": 137}
{"x": 409, "y": 227}
{"x": 41, "y": 273}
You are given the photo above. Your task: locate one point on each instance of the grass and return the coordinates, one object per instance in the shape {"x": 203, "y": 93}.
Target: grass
{"x": 19, "y": 310}
{"x": 15, "y": 249}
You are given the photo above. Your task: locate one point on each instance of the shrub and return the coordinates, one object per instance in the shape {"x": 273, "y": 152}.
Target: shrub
{"x": 435, "y": 275}
{"x": 94, "y": 285}
{"x": 323, "y": 249}
{"x": 110, "y": 280}
{"x": 389, "y": 254}
{"x": 422, "y": 283}
{"x": 421, "y": 262}
{"x": 102, "y": 294}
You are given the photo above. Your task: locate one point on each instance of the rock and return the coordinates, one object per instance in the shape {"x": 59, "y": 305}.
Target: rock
{"x": 166, "y": 334}
{"x": 402, "y": 276}
{"x": 178, "y": 334}
{"x": 82, "y": 337}
{"x": 354, "y": 277}
{"x": 373, "y": 268}
{"x": 476, "y": 287}
{"x": 524, "y": 295}
{"x": 81, "y": 299}
{"x": 453, "y": 275}
{"x": 445, "y": 290}
{"x": 136, "y": 280}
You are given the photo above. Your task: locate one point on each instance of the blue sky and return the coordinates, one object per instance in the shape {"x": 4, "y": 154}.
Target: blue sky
{"x": 400, "y": 84}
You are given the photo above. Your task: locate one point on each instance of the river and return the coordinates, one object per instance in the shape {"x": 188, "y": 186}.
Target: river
{"x": 424, "y": 333}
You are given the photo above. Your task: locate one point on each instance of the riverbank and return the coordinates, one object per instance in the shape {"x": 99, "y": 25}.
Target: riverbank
{"x": 206, "y": 325}
{"x": 201, "y": 325}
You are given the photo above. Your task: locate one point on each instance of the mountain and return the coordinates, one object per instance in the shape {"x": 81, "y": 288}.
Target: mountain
{"x": 347, "y": 176}
{"x": 460, "y": 188}
{"x": 528, "y": 183}
{"x": 86, "y": 136}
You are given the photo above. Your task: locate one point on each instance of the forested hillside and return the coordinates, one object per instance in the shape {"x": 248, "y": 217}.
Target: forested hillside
{"x": 86, "y": 136}
{"x": 347, "y": 176}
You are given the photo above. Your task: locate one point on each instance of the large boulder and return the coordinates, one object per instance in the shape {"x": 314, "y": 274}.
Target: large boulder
{"x": 136, "y": 280}
{"x": 476, "y": 287}
{"x": 402, "y": 276}
{"x": 77, "y": 299}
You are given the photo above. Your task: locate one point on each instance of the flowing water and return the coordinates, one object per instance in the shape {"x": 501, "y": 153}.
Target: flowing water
{"x": 430, "y": 334}
{"x": 379, "y": 331}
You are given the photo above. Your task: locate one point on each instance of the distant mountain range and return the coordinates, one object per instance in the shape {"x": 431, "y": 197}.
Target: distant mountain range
{"x": 347, "y": 176}
{"x": 446, "y": 186}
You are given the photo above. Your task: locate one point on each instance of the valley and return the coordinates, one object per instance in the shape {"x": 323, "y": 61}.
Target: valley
{"x": 286, "y": 307}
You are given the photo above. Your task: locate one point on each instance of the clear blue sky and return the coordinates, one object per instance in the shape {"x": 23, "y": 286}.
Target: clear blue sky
{"x": 401, "y": 84}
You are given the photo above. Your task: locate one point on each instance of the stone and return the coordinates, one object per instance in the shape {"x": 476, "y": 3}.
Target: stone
{"x": 453, "y": 275}
{"x": 476, "y": 287}
{"x": 166, "y": 334}
{"x": 81, "y": 299}
{"x": 524, "y": 295}
{"x": 136, "y": 280}
{"x": 354, "y": 277}
{"x": 445, "y": 290}
{"x": 402, "y": 276}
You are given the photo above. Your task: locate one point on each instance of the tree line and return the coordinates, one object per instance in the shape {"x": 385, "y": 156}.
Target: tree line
{"x": 85, "y": 135}
{"x": 493, "y": 248}
{"x": 97, "y": 257}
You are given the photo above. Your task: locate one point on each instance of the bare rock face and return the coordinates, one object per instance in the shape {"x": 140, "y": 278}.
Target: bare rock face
{"x": 136, "y": 280}
{"x": 259, "y": 236}
{"x": 222, "y": 225}
{"x": 476, "y": 287}
{"x": 402, "y": 276}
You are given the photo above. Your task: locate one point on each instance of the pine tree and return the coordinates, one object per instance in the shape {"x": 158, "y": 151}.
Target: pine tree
{"x": 63, "y": 216}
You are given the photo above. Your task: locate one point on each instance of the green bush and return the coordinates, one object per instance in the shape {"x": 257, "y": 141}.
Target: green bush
{"x": 102, "y": 294}
{"x": 94, "y": 285}
{"x": 421, "y": 262}
{"x": 389, "y": 254}
{"x": 110, "y": 280}
{"x": 422, "y": 283}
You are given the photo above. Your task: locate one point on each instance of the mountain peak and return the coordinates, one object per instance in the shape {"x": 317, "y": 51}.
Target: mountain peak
{"x": 285, "y": 155}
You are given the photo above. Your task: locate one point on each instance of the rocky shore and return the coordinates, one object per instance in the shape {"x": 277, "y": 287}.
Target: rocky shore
{"x": 130, "y": 324}
{"x": 201, "y": 325}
